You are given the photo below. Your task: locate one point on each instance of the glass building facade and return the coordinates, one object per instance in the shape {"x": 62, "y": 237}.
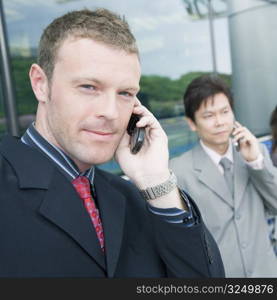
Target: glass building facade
{"x": 178, "y": 40}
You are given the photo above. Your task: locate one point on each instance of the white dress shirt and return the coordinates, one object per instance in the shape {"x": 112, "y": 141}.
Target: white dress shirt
{"x": 215, "y": 157}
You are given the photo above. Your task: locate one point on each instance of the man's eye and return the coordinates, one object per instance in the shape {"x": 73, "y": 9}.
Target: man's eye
{"x": 87, "y": 86}
{"x": 126, "y": 94}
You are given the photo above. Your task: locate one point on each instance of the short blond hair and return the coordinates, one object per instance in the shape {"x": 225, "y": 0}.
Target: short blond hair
{"x": 100, "y": 25}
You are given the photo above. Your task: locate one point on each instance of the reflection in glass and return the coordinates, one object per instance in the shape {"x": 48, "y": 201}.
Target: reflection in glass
{"x": 2, "y": 115}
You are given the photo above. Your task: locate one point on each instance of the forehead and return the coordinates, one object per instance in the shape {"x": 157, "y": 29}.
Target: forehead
{"x": 214, "y": 103}
{"x": 89, "y": 45}
{"x": 89, "y": 57}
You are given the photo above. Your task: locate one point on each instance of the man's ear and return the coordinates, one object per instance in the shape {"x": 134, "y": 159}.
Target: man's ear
{"x": 39, "y": 83}
{"x": 191, "y": 124}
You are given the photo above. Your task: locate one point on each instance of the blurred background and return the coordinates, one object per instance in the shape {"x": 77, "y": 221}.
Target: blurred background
{"x": 178, "y": 41}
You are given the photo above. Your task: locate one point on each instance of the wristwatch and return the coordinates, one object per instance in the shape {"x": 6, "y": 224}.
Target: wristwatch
{"x": 159, "y": 190}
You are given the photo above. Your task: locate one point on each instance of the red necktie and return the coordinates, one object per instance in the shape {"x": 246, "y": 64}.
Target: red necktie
{"x": 82, "y": 186}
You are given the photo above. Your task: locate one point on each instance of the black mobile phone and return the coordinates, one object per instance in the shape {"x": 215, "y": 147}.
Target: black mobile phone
{"x": 136, "y": 134}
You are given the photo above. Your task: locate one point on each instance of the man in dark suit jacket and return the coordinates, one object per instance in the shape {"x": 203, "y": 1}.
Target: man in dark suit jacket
{"x": 86, "y": 82}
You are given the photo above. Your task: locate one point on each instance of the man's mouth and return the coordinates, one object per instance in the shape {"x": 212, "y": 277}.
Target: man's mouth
{"x": 221, "y": 132}
{"x": 100, "y": 134}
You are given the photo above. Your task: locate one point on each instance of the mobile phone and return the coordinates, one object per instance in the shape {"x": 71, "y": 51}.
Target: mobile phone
{"x": 236, "y": 144}
{"x": 136, "y": 134}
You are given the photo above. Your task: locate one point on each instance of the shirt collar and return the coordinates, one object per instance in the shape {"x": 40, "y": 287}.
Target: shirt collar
{"x": 67, "y": 166}
{"x": 217, "y": 157}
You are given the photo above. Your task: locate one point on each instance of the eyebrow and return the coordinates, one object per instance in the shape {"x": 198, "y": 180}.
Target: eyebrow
{"x": 91, "y": 79}
{"x": 134, "y": 89}
{"x": 210, "y": 111}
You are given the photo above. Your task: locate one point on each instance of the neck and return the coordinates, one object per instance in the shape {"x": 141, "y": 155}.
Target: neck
{"x": 42, "y": 129}
{"x": 221, "y": 149}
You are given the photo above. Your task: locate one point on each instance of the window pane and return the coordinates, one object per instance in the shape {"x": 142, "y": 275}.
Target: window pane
{"x": 2, "y": 115}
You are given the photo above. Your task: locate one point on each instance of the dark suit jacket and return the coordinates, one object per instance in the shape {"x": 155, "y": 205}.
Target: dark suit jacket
{"x": 45, "y": 230}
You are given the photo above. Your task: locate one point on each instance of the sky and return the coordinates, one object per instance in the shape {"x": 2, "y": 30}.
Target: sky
{"x": 171, "y": 43}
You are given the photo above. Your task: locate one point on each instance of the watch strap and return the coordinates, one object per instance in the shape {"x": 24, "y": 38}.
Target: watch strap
{"x": 160, "y": 190}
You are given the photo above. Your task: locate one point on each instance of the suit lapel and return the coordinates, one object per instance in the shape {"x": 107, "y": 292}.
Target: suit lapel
{"x": 112, "y": 209}
{"x": 63, "y": 207}
{"x": 210, "y": 175}
{"x": 61, "y": 203}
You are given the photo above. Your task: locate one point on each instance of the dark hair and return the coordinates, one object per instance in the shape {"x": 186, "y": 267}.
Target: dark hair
{"x": 100, "y": 25}
{"x": 201, "y": 89}
{"x": 273, "y": 126}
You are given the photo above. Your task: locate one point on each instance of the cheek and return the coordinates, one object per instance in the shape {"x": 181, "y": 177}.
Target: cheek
{"x": 206, "y": 126}
{"x": 63, "y": 119}
{"x": 59, "y": 113}
{"x": 206, "y": 131}
{"x": 231, "y": 120}
{"x": 125, "y": 114}
{"x": 68, "y": 108}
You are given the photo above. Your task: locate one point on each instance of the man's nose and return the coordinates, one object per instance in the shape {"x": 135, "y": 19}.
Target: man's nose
{"x": 219, "y": 120}
{"x": 108, "y": 106}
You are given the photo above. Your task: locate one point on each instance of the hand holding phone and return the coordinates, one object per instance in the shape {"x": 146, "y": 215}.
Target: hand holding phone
{"x": 145, "y": 164}
{"x": 136, "y": 134}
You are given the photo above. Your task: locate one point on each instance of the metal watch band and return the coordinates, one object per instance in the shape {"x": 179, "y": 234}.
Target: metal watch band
{"x": 159, "y": 190}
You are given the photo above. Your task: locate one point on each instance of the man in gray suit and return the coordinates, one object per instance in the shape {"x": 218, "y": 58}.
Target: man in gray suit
{"x": 234, "y": 187}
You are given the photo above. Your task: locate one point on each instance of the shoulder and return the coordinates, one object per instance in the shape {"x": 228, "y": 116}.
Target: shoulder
{"x": 266, "y": 153}
{"x": 178, "y": 161}
{"x": 12, "y": 147}
{"x": 9, "y": 146}
{"x": 274, "y": 159}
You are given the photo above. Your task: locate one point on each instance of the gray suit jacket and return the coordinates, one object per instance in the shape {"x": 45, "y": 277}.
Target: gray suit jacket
{"x": 238, "y": 225}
